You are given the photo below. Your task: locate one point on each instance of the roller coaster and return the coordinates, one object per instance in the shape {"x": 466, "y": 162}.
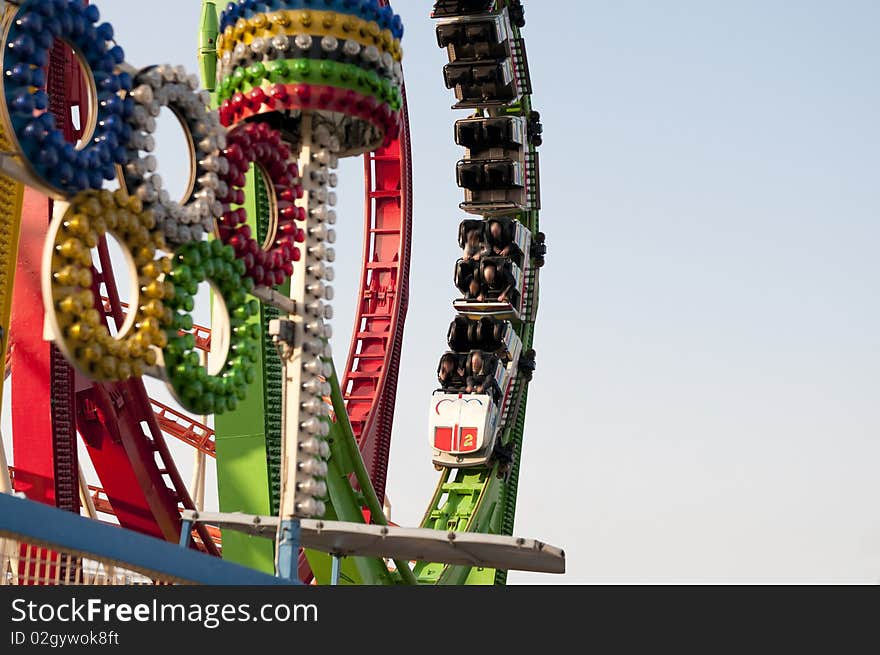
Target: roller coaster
{"x": 286, "y": 89}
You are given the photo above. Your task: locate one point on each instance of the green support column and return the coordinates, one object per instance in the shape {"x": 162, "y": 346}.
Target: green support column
{"x": 243, "y": 476}
{"x": 242, "y": 465}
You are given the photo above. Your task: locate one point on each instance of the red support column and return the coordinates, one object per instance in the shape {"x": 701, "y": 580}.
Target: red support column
{"x": 30, "y": 359}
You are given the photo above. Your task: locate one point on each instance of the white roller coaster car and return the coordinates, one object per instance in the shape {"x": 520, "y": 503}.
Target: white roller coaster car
{"x": 464, "y": 427}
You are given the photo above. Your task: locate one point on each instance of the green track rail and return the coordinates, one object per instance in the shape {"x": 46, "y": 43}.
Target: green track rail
{"x": 346, "y": 503}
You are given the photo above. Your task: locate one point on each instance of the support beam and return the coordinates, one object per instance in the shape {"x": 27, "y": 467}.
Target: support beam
{"x": 347, "y": 539}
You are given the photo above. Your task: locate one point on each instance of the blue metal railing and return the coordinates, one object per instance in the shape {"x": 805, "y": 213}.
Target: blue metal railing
{"x": 30, "y": 522}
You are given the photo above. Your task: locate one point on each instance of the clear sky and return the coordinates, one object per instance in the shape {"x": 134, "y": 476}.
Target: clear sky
{"x": 705, "y": 404}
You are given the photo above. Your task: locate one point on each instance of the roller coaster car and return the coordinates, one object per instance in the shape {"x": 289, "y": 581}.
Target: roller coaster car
{"x": 450, "y": 8}
{"x": 499, "y": 171}
{"x": 509, "y": 237}
{"x": 475, "y": 38}
{"x": 465, "y": 427}
{"x": 483, "y": 175}
{"x": 481, "y": 84}
{"x": 487, "y": 334}
{"x": 482, "y": 68}
{"x": 480, "y": 134}
{"x": 509, "y": 277}
{"x": 498, "y": 186}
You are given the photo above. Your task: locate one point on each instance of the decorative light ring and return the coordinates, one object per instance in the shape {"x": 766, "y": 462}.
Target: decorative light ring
{"x": 194, "y": 387}
{"x": 258, "y": 144}
{"x": 79, "y": 329}
{"x": 305, "y": 46}
{"x": 316, "y": 23}
{"x": 382, "y": 121}
{"x": 60, "y": 167}
{"x": 307, "y": 71}
{"x": 366, "y": 9}
{"x": 170, "y": 86}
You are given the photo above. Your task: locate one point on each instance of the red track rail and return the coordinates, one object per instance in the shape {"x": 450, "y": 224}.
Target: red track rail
{"x": 370, "y": 382}
{"x": 202, "y": 334}
{"x": 102, "y": 504}
{"x": 182, "y": 427}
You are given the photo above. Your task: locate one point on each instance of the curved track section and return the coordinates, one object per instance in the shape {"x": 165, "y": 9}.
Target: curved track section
{"x": 369, "y": 386}
{"x": 364, "y": 402}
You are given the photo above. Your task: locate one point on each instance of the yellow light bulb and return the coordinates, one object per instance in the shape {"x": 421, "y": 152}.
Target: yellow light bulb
{"x": 92, "y": 317}
{"x": 161, "y": 339}
{"x": 154, "y": 289}
{"x": 79, "y": 332}
{"x": 84, "y": 277}
{"x": 123, "y": 371}
{"x": 92, "y": 353}
{"x": 69, "y": 305}
{"x": 107, "y": 367}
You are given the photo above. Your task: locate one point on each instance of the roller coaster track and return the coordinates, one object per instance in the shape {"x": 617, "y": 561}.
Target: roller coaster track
{"x": 465, "y": 500}
{"x": 172, "y": 422}
{"x": 370, "y": 382}
{"x": 477, "y": 500}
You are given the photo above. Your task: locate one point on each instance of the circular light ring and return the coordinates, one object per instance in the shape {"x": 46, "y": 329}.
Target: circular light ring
{"x": 382, "y": 120}
{"x": 305, "y": 46}
{"x": 306, "y": 71}
{"x": 31, "y": 35}
{"x": 80, "y": 329}
{"x": 316, "y": 23}
{"x": 170, "y": 86}
{"x": 366, "y": 9}
{"x": 259, "y": 144}
{"x": 195, "y": 389}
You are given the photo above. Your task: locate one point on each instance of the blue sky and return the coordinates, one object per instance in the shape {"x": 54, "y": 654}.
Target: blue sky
{"x": 705, "y": 405}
